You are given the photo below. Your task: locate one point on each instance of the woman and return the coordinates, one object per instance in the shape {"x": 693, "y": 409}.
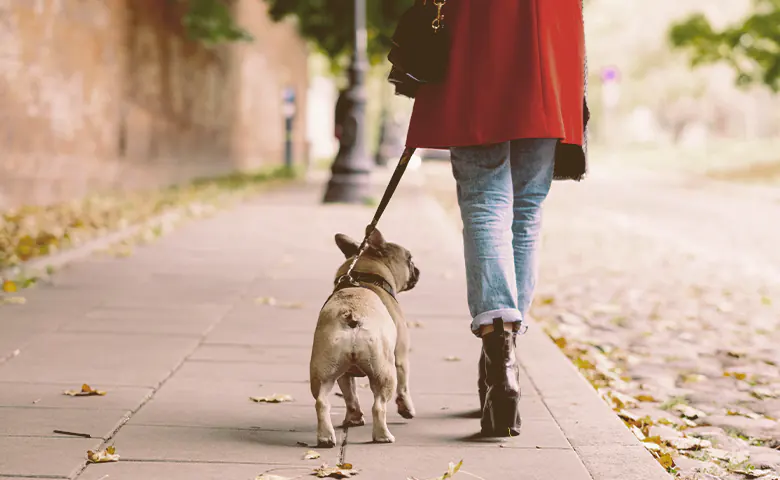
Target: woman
{"x": 512, "y": 113}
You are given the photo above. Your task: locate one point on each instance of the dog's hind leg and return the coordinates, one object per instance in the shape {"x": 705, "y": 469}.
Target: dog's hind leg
{"x": 326, "y": 435}
{"x": 403, "y": 399}
{"x": 383, "y": 386}
{"x": 354, "y": 417}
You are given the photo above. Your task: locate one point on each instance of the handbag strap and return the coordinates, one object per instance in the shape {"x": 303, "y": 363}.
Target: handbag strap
{"x": 438, "y": 22}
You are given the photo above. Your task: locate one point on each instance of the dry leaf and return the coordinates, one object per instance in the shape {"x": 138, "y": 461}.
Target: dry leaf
{"x": 13, "y": 301}
{"x": 107, "y": 455}
{"x": 561, "y": 342}
{"x": 86, "y": 391}
{"x": 737, "y": 375}
{"x": 9, "y": 286}
{"x": 452, "y": 358}
{"x": 346, "y": 466}
{"x": 646, "y": 398}
{"x": 324, "y": 471}
{"x": 266, "y": 301}
{"x": 451, "y": 470}
{"x": 666, "y": 461}
{"x": 311, "y": 455}
{"x": 275, "y": 398}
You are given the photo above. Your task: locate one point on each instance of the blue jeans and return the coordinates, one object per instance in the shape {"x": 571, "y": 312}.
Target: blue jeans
{"x": 501, "y": 189}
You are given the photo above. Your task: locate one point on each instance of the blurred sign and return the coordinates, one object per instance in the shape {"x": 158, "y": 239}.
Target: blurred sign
{"x": 288, "y": 107}
{"x": 610, "y": 80}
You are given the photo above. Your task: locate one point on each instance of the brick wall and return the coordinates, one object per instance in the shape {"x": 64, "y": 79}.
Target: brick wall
{"x": 109, "y": 94}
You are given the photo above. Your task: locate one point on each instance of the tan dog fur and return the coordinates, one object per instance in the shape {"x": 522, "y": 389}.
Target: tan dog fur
{"x": 363, "y": 332}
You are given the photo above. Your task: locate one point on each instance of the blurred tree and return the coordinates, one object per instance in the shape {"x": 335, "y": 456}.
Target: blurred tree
{"x": 212, "y": 22}
{"x": 751, "y": 48}
{"x": 330, "y": 24}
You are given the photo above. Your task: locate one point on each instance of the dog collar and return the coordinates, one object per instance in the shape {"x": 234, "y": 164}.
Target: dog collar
{"x": 359, "y": 278}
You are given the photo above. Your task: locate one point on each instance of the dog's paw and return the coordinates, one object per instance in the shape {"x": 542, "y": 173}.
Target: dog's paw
{"x": 326, "y": 442}
{"x": 385, "y": 437}
{"x": 354, "y": 421}
{"x": 405, "y": 408}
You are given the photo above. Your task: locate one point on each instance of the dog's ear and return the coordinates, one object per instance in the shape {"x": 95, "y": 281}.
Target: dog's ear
{"x": 347, "y": 246}
{"x": 376, "y": 239}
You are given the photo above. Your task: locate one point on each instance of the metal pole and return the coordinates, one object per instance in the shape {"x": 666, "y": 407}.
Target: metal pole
{"x": 351, "y": 170}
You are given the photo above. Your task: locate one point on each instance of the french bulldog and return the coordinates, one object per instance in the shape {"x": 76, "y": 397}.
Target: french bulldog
{"x": 362, "y": 332}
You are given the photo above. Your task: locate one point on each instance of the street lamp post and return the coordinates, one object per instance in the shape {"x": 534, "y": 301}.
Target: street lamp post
{"x": 350, "y": 173}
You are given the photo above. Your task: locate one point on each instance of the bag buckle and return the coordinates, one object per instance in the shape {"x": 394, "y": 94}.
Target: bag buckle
{"x": 438, "y": 22}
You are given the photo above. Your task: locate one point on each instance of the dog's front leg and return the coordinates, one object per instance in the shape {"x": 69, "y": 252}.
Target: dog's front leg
{"x": 404, "y": 399}
{"x": 326, "y": 435}
{"x": 354, "y": 417}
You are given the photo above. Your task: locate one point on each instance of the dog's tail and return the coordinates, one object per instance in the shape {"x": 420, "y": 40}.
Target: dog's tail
{"x": 351, "y": 319}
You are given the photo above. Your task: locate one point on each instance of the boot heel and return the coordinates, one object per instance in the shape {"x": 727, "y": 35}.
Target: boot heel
{"x": 501, "y": 415}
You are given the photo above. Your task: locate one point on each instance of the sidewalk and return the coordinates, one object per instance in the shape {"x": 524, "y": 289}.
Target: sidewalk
{"x": 177, "y": 336}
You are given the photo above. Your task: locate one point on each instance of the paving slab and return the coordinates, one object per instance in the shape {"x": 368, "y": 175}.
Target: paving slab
{"x": 41, "y": 422}
{"x": 49, "y": 395}
{"x": 98, "y": 359}
{"x": 25, "y": 457}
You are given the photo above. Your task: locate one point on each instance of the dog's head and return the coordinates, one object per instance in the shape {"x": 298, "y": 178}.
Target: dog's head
{"x": 382, "y": 258}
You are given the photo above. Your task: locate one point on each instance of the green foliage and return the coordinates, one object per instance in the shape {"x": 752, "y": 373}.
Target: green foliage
{"x": 751, "y": 48}
{"x": 212, "y": 22}
{"x": 329, "y": 24}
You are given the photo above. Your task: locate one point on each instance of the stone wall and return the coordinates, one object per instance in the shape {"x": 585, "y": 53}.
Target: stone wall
{"x": 102, "y": 95}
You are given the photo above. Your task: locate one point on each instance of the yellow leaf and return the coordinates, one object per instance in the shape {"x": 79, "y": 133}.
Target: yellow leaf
{"x": 666, "y": 461}
{"x": 107, "y": 455}
{"x": 9, "y": 286}
{"x": 275, "y": 398}
{"x": 646, "y": 398}
{"x": 452, "y": 358}
{"x": 737, "y": 375}
{"x": 347, "y": 466}
{"x": 561, "y": 342}
{"x": 86, "y": 391}
{"x": 311, "y": 455}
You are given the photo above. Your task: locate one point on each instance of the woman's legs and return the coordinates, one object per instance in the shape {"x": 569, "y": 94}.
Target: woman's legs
{"x": 485, "y": 196}
{"x": 500, "y": 192}
{"x": 532, "y": 172}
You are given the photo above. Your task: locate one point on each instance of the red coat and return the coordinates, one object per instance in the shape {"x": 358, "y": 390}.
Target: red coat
{"x": 517, "y": 70}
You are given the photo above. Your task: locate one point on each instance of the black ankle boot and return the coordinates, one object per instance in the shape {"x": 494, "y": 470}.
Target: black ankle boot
{"x": 501, "y": 403}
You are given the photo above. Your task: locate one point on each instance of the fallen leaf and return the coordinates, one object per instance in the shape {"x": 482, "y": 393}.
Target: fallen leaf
{"x": 737, "y": 375}
{"x": 275, "y": 398}
{"x": 646, "y": 398}
{"x": 346, "y": 466}
{"x": 666, "y": 461}
{"x": 268, "y": 476}
{"x": 324, "y": 471}
{"x": 9, "y": 286}
{"x": 107, "y": 455}
{"x": 561, "y": 343}
{"x": 271, "y": 301}
{"x": 13, "y": 301}
{"x": 761, "y": 393}
{"x": 452, "y": 358}
{"x": 86, "y": 391}
{"x": 451, "y": 470}
{"x": 311, "y": 455}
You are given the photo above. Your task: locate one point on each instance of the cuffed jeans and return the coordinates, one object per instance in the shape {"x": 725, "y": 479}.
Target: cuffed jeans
{"x": 501, "y": 189}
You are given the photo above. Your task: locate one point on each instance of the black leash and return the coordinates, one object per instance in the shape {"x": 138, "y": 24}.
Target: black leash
{"x": 389, "y": 191}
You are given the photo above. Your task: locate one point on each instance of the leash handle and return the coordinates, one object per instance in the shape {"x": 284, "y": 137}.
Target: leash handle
{"x": 389, "y": 191}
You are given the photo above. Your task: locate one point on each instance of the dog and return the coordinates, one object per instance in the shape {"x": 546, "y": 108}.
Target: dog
{"x": 362, "y": 332}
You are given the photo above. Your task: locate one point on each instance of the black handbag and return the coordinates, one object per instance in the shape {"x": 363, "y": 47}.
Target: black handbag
{"x": 421, "y": 47}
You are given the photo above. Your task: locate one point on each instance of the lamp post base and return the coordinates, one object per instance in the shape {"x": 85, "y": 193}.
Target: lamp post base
{"x": 348, "y": 188}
